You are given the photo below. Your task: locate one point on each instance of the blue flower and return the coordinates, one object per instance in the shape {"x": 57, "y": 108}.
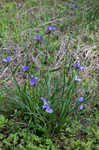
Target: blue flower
{"x": 77, "y": 78}
{"x": 24, "y": 68}
{"x": 33, "y": 81}
{"x": 49, "y": 110}
{"x": 7, "y": 59}
{"x": 78, "y": 66}
{"x": 53, "y": 30}
{"x": 44, "y": 100}
{"x": 38, "y": 37}
{"x": 81, "y": 99}
{"x": 81, "y": 107}
{"x": 46, "y": 105}
{"x": 73, "y": 5}
{"x": 50, "y": 29}
{"x": 42, "y": 39}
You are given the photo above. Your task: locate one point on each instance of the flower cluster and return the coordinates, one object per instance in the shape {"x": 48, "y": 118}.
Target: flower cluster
{"x": 81, "y": 99}
{"x": 50, "y": 29}
{"x": 38, "y": 38}
{"x": 78, "y": 66}
{"x": 34, "y": 80}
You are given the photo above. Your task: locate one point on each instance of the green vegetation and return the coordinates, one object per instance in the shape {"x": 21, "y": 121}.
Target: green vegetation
{"x": 49, "y": 75}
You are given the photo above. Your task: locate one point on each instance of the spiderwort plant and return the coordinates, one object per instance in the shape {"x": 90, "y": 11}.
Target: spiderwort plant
{"x": 48, "y": 47}
{"x": 62, "y": 92}
{"x": 67, "y": 106}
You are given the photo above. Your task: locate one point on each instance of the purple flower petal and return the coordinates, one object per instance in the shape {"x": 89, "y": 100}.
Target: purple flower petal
{"x": 81, "y": 107}
{"x": 81, "y": 67}
{"x": 24, "y": 68}
{"x": 42, "y": 39}
{"x": 37, "y": 37}
{"x": 46, "y": 105}
{"x": 49, "y": 29}
{"x": 43, "y": 99}
{"x": 73, "y": 5}
{"x": 77, "y": 79}
{"x": 78, "y": 66}
{"x": 49, "y": 110}
{"x": 7, "y": 59}
{"x": 81, "y": 99}
{"x": 33, "y": 81}
{"x": 53, "y": 30}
